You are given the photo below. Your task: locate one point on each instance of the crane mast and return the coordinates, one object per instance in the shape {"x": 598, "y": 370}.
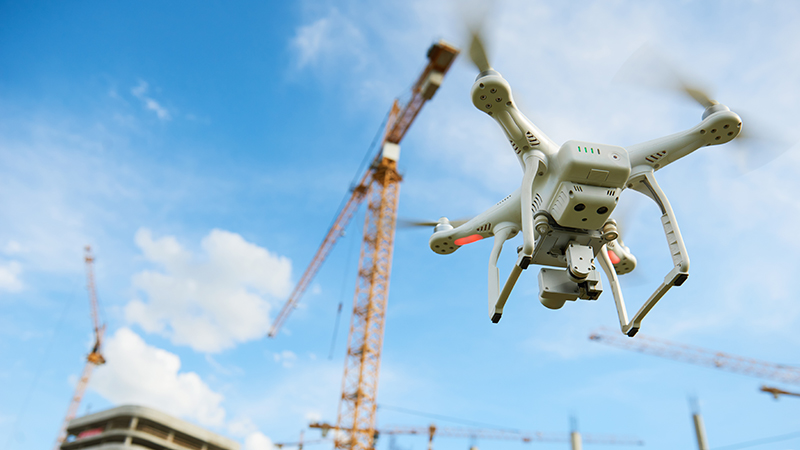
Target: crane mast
{"x": 358, "y": 402}
{"x": 440, "y": 56}
{"x": 380, "y": 187}
{"x": 95, "y": 357}
{"x": 701, "y": 356}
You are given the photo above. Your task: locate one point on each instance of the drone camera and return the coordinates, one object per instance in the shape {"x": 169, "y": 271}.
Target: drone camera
{"x": 556, "y": 287}
{"x": 592, "y": 177}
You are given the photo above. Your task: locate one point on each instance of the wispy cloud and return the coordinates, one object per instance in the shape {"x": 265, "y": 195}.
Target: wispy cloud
{"x": 329, "y": 40}
{"x": 286, "y": 358}
{"x": 140, "y": 91}
{"x": 10, "y": 276}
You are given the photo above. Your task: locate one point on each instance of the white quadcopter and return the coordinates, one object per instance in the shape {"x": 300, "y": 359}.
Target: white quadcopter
{"x": 567, "y": 195}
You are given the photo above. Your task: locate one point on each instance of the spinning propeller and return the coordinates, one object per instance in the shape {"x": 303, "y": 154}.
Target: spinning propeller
{"x": 411, "y": 223}
{"x": 649, "y": 68}
{"x": 477, "y": 51}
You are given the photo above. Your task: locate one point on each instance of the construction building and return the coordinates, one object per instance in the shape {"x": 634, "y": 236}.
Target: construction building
{"x": 133, "y": 427}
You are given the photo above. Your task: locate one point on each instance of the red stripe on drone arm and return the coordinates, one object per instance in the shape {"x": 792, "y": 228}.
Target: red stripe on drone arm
{"x": 468, "y": 239}
{"x": 613, "y": 257}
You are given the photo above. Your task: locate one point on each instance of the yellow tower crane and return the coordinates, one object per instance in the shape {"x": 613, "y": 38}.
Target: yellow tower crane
{"x": 380, "y": 186}
{"x": 574, "y": 438}
{"x": 95, "y": 357}
{"x": 777, "y": 392}
{"x": 703, "y": 357}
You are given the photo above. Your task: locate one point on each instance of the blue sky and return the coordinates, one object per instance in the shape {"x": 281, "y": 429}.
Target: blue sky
{"x": 203, "y": 148}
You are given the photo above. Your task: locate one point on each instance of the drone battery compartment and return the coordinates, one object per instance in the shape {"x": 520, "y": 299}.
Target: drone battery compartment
{"x": 592, "y": 177}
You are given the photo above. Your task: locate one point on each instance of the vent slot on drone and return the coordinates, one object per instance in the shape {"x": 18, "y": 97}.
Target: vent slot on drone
{"x": 533, "y": 140}
{"x": 485, "y": 227}
{"x": 537, "y": 202}
{"x": 656, "y": 156}
{"x": 514, "y": 146}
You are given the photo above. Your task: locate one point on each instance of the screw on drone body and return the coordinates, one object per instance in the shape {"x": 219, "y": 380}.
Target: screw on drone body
{"x": 540, "y": 224}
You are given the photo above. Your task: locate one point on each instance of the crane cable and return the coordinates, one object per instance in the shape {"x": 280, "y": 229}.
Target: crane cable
{"x": 36, "y": 377}
{"x": 448, "y": 418}
{"x": 766, "y": 440}
{"x": 341, "y": 296}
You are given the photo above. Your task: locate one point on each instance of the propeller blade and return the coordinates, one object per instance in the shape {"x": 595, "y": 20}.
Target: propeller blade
{"x": 413, "y": 223}
{"x": 474, "y": 14}
{"x": 698, "y": 95}
{"x": 754, "y": 147}
{"x": 648, "y": 67}
{"x": 757, "y": 145}
{"x": 408, "y": 223}
{"x": 477, "y": 51}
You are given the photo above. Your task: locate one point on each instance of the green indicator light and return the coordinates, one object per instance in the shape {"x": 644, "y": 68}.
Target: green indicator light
{"x": 592, "y": 150}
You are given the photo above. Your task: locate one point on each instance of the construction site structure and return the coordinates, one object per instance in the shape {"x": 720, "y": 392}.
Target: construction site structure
{"x": 379, "y": 186}
{"x": 699, "y": 426}
{"x": 700, "y": 356}
{"x": 778, "y": 392}
{"x": 95, "y": 357}
{"x": 138, "y": 427}
{"x": 574, "y": 438}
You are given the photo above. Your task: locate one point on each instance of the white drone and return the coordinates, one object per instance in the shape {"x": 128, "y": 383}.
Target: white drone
{"x": 567, "y": 195}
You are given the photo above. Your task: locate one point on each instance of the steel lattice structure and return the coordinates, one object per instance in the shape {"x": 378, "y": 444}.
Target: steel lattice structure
{"x": 95, "y": 358}
{"x": 379, "y": 186}
{"x": 701, "y": 356}
{"x": 362, "y": 364}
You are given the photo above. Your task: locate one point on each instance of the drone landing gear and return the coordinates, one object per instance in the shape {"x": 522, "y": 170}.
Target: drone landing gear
{"x": 535, "y": 165}
{"x": 646, "y": 184}
{"x": 498, "y": 298}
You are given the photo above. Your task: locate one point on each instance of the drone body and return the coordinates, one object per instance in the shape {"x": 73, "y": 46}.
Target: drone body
{"x": 564, "y": 204}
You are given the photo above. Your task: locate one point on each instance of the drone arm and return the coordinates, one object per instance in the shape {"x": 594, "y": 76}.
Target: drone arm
{"x": 717, "y": 128}
{"x": 646, "y": 183}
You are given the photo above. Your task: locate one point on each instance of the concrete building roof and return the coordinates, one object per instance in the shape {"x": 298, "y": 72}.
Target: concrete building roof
{"x": 136, "y": 427}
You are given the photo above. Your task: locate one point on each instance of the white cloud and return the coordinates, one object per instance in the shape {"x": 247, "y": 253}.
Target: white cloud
{"x": 286, "y": 358}
{"x": 13, "y": 247}
{"x": 9, "y": 277}
{"x": 137, "y": 373}
{"x": 328, "y": 40}
{"x": 258, "y": 441}
{"x": 140, "y": 92}
{"x": 210, "y": 302}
